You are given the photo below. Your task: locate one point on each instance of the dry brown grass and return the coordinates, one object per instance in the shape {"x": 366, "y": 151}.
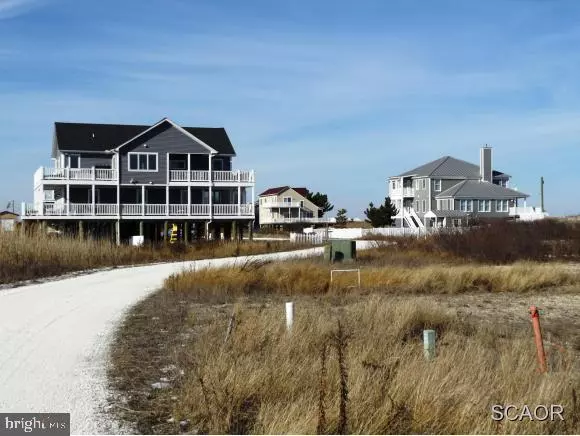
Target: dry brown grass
{"x": 306, "y": 277}
{"x": 266, "y": 380}
{"x": 39, "y": 255}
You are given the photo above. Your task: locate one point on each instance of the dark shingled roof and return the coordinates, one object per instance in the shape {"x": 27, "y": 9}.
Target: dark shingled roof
{"x": 475, "y": 189}
{"x": 101, "y": 137}
{"x": 280, "y": 189}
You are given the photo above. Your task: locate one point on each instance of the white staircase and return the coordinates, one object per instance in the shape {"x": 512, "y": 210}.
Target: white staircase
{"x": 411, "y": 218}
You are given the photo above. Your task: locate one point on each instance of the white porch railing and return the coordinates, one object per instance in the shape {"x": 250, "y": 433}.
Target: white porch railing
{"x": 105, "y": 174}
{"x": 178, "y": 209}
{"x": 131, "y": 209}
{"x": 105, "y": 209}
{"x": 233, "y": 176}
{"x": 78, "y": 209}
{"x": 199, "y": 209}
{"x": 285, "y": 204}
{"x": 218, "y": 176}
{"x": 199, "y": 176}
{"x": 178, "y": 176}
{"x": 101, "y": 174}
{"x": 282, "y": 220}
{"x": 155, "y": 209}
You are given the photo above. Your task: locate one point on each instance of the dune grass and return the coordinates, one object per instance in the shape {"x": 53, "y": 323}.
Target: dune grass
{"x": 24, "y": 257}
{"x": 347, "y": 367}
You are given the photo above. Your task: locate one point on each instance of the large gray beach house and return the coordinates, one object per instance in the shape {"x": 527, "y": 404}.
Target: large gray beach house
{"x": 447, "y": 192}
{"x": 128, "y": 180}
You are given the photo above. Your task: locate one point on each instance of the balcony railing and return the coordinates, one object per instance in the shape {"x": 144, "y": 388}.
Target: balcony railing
{"x": 407, "y": 191}
{"x": 128, "y": 210}
{"x": 278, "y": 204}
{"x": 100, "y": 174}
{"x": 217, "y": 176}
{"x": 281, "y": 220}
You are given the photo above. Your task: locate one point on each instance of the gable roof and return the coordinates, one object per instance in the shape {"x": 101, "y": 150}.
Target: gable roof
{"x": 448, "y": 167}
{"x": 475, "y": 189}
{"x": 281, "y": 189}
{"x": 9, "y": 212}
{"x": 91, "y": 137}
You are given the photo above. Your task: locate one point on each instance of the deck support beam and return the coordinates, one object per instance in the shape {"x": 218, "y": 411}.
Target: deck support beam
{"x": 251, "y": 230}
{"x": 186, "y": 230}
{"x": 235, "y": 230}
{"x": 81, "y": 230}
{"x": 118, "y": 232}
{"x": 141, "y": 228}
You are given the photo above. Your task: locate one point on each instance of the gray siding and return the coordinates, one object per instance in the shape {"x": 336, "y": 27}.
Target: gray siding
{"x": 161, "y": 140}
{"x": 89, "y": 160}
{"x": 420, "y": 195}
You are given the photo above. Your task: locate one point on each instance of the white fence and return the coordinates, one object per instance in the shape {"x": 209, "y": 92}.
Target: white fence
{"x": 357, "y": 233}
{"x": 312, "y": 238}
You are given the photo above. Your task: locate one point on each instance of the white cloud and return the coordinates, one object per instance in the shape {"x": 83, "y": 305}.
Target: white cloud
{"x": 13, "y": 8}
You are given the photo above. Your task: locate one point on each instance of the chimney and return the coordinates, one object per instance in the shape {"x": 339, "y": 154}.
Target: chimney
{"x": 485, "y": 171}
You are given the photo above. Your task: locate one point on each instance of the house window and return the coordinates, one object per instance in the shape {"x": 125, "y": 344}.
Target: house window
{"x": 466, "y": 205}
{"x": 74, "y": 161}
{"x": 143, "y": 162}
{"x": 417, "y": 206}
{"x": 484, "y": 206}
{"x": 424, "y": 183}
{"x": 218, "y": 164}
{"x": 301, "y": 203}
{"x": 502, "y": 205}
{"x": 424, "y": 205}
{"x": 393, "y": 185}
{"x": 437, "y": 185}
{"x": 456, "y": 222}
{"x": 287, "y": 200}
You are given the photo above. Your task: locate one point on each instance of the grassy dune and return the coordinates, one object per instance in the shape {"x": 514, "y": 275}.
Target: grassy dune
{"x": 265, "y": 380}
{"x": 25, "y": 257}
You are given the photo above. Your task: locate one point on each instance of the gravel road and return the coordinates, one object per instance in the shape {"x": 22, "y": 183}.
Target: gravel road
{"x": 54, "y": 338}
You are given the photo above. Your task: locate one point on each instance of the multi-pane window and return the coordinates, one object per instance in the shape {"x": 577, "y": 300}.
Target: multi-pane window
{"x": 287, "y": 199}
{"x": 424, "y": 181}
{"x": 502, "y": 206}
{"x": 466, "y": 205}
{"x": 484, "y": 206}
{"x": 142, "y": 161}
{"x": 437, "y": 185}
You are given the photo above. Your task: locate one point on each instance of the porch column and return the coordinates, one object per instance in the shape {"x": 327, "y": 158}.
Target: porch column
{"x": 186, "y": 231}
{"x": 167, "y": 200}
{"x": 189, "y": 167}
{"x": 251, "y": 230}
{"x": 210, "y": 179}
{"x": 188, "y": 200}
{"x": 141, "y": 228}
{"x": 93, "y": 195}
{"x": 235, "y": 230}
{"x": 165, "y": 230}
{"x": 67, "y": 198}
{"x": 81, "y": 230}
{"x": 142, "y": 200}
{"x": 239, "y": 200}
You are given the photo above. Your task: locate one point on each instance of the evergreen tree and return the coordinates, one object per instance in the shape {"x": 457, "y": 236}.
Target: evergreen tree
{"x": 381, "y": 216}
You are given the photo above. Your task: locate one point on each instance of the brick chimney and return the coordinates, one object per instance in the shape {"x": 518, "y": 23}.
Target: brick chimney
{"x": 485, "y": 171}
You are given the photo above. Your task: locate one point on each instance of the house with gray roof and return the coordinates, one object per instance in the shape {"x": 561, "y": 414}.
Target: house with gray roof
{"x": 447, "y": 192}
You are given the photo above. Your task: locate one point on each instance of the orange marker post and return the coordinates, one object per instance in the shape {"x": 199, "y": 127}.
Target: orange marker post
{"x": 535, "y": 315}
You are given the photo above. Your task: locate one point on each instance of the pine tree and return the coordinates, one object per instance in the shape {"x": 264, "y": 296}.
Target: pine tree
{"x": 381, "y": 216}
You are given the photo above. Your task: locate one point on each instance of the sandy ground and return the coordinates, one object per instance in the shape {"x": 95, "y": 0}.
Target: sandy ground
{"x": 54, "y": 338}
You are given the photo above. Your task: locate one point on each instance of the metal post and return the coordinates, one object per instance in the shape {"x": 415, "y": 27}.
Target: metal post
{"x": 542, "y": 193}
{"x": 535, "y": 316}
{"x": 429, "y": 344}
{"x": 289, "y": 315}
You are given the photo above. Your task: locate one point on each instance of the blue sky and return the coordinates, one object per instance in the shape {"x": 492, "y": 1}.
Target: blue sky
{"x": 332, "y": 95}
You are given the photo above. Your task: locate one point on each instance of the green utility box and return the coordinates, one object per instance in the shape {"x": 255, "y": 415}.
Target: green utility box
{"x": 340, "y": 250}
